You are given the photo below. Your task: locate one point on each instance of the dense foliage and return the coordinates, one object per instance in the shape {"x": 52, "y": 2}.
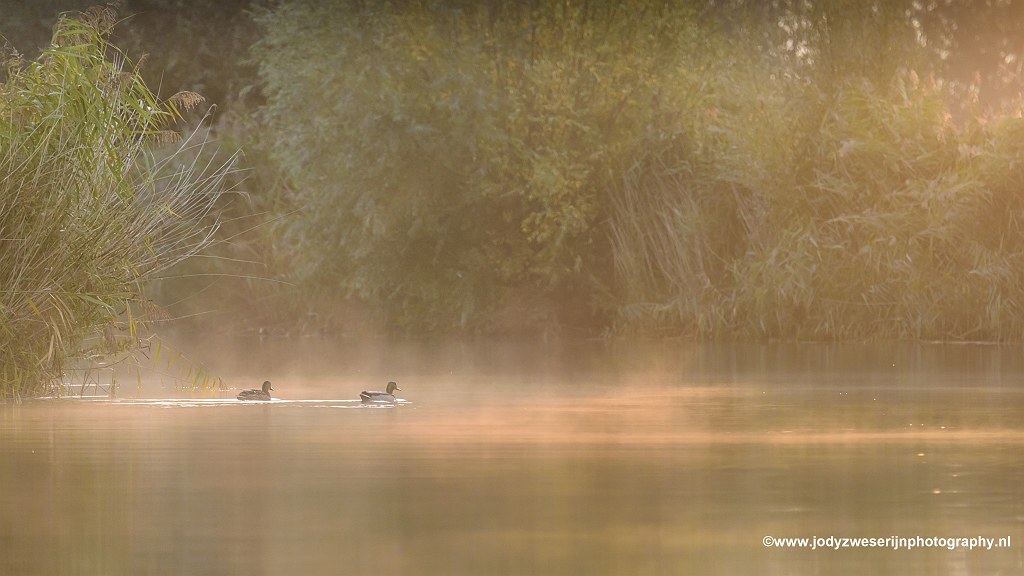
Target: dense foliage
{"x": 783, "y": 169}
{"x": 449, "y": 163}
{"x": 86, "y": 212}
{"x": 654, "y": 166}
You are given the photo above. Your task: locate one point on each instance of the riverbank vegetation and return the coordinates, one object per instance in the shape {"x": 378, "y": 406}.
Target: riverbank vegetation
{"x": 88, "y": 212}
{"x": 787, "y": 170}
{"x": 800, "y": 171}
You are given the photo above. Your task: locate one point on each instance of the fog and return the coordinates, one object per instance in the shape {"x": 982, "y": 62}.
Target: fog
{"x": 513, "y": 457}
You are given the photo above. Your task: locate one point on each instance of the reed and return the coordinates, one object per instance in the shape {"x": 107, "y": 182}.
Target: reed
{"x": 867, "y": 214}
{"x": 88, "y": 212}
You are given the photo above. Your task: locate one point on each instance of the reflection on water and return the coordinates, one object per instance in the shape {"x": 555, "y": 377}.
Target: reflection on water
{"x": 583, "y": 459}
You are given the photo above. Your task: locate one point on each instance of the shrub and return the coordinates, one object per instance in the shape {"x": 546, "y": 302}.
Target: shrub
{"x": 450, "y": 160}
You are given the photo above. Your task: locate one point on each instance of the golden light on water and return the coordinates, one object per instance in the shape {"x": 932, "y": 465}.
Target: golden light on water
{"x": 652, "y": 470}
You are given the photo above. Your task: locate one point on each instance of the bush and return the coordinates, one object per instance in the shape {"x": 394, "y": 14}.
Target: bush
{"x": 451, "y": 161}
{"x": 768, "y": 170}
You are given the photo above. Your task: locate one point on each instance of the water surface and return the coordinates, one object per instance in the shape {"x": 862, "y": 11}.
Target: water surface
{"x": 529, "y": 458}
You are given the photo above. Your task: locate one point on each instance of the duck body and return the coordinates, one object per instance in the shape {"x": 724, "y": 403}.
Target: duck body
{"x": 263, "y": 394}
{"x": 378, "y": 396}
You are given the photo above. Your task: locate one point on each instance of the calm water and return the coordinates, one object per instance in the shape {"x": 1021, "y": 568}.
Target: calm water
{"x": 529, "y": 459}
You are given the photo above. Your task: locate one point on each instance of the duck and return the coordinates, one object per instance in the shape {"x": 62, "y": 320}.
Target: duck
{"x": 377, "y": 396}
{"x": 257, "y": 394}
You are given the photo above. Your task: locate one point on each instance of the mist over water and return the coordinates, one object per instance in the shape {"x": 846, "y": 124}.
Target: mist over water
{"x": 527, "y": 457}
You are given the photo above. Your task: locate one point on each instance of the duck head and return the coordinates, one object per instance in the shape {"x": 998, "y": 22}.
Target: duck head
{"x": 266, "y": 386}
{"x": 392, "y": 387}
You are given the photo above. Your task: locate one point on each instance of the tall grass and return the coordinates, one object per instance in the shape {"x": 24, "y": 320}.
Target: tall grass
{"x": 865, "y": 214}
{"x": 87, "y": 212}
